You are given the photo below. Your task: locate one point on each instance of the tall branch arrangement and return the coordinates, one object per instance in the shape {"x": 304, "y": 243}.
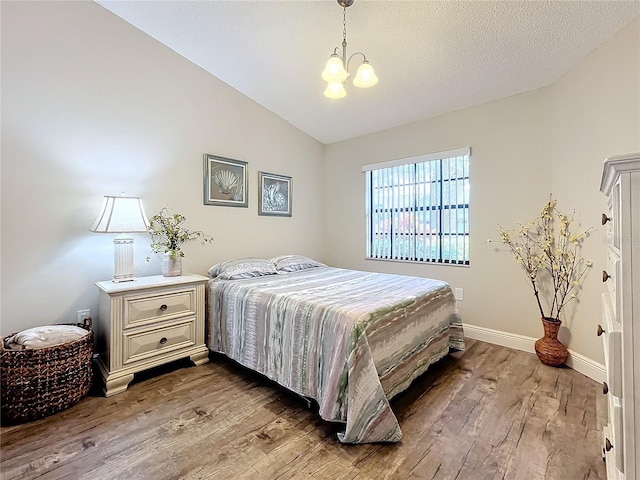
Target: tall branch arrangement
{"x": 549, "y": 257}
{"x": 168, "y": 233}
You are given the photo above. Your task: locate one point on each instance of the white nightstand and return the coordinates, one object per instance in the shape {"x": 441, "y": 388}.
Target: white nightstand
{"x": 146, "y": 323}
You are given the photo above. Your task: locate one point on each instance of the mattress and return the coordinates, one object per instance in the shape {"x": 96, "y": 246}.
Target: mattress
{"x": 349, "y": 339}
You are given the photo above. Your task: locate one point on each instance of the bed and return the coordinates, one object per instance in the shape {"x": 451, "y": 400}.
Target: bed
{"x": 348, "y": 339}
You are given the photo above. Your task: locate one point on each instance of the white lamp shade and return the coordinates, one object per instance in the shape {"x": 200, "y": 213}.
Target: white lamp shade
{"x": 121, "y": 215}
{"x": 335, "y": 90}
{"x": 334, "y": 71}
{"x": 365, "y": 77}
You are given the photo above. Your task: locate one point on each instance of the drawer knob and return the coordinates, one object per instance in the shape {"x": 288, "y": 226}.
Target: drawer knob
{"x": 605, "y": 219}
{"x": 607, "y": 445}
{"x": 163, "y": 307}
{"x": 605, "y": 276}
{"x": 605, "y": 388}
{"x": 163, "y": 340}
{"x": 600, "y": 330}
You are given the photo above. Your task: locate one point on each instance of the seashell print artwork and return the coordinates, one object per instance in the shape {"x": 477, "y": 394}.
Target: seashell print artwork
{"x": 274, "y": 195}
{"x": 273, "y": 199}
{"x": 226, "y": 180}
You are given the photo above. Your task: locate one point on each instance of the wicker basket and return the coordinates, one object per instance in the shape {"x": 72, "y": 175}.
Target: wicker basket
{"x": 38, "y": 382}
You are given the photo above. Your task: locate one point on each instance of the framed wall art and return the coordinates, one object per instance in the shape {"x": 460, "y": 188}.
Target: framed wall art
{"x": 225, "y": 182}
{"x": 274, "y": 195}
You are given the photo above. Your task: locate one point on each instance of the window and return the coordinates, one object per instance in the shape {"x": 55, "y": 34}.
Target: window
{"x": 418, "y": 208}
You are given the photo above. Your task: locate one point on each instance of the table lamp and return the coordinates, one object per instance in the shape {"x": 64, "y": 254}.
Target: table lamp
{"x": 121, "y": 215}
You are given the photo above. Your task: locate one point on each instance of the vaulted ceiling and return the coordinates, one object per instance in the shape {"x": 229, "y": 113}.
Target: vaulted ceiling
{"x": 432, "y": 57}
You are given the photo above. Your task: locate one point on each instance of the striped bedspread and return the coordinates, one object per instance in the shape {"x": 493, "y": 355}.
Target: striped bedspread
{"x": 351, "y": 340}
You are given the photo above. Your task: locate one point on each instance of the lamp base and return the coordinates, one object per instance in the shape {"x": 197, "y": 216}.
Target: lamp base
{"x": 123, "y": 259}
{"x": 128, "y": 278}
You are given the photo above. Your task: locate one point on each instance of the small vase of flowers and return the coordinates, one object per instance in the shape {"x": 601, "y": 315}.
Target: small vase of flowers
{"x": 554, "y": 268}
{"x": 168, "y": 234}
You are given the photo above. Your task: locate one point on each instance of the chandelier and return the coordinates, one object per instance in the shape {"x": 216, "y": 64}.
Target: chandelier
{"x": 337, "y": 70}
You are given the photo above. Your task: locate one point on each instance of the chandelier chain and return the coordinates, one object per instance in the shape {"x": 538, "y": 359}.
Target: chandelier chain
{"x": 344, "y": 25}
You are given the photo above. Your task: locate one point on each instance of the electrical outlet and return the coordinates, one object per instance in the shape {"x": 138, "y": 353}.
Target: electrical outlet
{"x": 459, "y": 294}
{"x": 82, "y": 314}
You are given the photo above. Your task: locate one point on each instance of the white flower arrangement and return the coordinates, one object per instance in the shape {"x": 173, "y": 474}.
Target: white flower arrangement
{"x": 549, "y": 257}
{"x": 168, "y": 233}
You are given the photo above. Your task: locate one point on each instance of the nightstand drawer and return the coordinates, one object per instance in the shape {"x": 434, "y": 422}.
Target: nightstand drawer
{"x": 139, "y": 310}
{"x": 145, "y": 344}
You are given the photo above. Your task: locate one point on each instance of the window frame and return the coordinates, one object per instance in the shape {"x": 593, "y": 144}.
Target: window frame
{"x": 415, "y": 205}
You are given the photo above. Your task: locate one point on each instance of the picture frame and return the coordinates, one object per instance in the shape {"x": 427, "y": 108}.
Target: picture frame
{"x": 274, "y": 194}
{"x": 226, "y": 182}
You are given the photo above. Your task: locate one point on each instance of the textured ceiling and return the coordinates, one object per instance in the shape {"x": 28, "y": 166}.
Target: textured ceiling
{"x": 432, "y": 57}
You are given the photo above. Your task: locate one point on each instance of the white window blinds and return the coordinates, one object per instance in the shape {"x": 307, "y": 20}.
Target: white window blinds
{"x": 418, "y": 208}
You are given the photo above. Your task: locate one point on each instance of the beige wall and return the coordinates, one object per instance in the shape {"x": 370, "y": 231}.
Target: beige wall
{"x": 552, "y": 140}
{"x": 91, "y": 106}
{"x": 510, "y": 171}
{"x": 595, "y": 113}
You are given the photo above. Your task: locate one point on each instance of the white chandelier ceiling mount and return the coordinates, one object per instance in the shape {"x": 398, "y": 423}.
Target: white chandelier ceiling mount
{"x": 336, "y": 71}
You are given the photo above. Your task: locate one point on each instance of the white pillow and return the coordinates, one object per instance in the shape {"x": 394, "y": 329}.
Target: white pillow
{"x": 242, "y": 268}
{"x": 293, "y": 263}
{"x": 41, "y": 337}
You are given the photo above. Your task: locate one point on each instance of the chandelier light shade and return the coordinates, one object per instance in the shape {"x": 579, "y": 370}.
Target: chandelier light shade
{"x": 336, "y": 71}
{"x": 121, "y": 215}
{"x": 365, "y": 77}
{"x": 335, "y": 90}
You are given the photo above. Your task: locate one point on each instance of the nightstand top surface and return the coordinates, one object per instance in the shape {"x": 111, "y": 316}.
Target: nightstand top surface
{"x": 153, "y": 281}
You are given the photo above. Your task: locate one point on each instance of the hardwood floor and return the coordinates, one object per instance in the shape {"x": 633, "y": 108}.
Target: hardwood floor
{"x": 487, "y": 413}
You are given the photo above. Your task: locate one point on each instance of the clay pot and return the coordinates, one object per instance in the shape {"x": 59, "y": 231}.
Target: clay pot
{"x": 549, "y": 349}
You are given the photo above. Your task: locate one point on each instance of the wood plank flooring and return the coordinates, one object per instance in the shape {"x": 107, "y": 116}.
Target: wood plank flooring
{"x": 487, "y": 413}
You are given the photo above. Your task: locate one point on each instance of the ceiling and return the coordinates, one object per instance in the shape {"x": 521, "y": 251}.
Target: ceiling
{"x": 432, "y": 57}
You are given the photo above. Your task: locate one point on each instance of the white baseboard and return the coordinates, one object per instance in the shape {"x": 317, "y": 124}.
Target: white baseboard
{"x": 578, "y": 362}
